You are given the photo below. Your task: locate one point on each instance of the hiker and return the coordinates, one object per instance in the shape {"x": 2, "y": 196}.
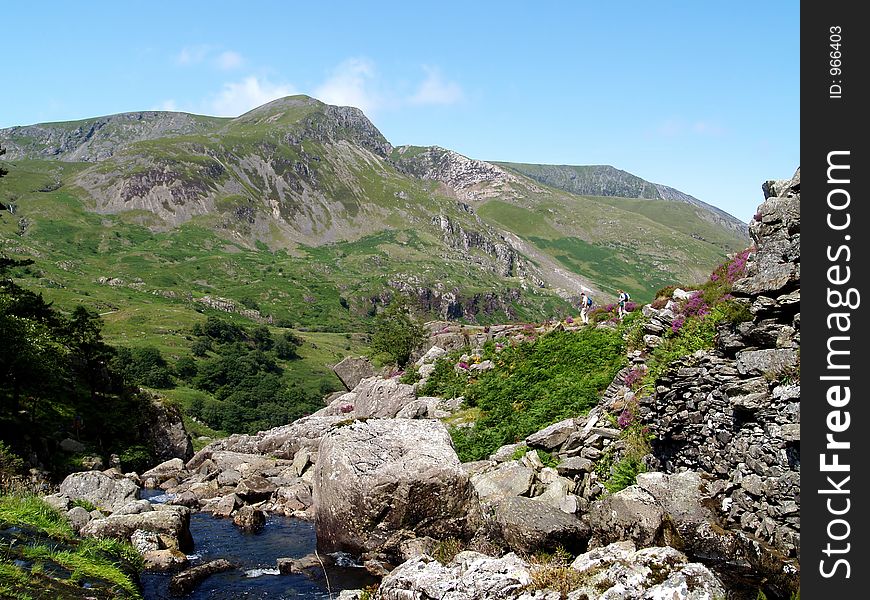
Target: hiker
{"x": 623, "y": 298}
{"x": 585, "y": 307}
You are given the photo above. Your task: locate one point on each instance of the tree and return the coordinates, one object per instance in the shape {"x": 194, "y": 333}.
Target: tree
{"x": 397, "y": 334}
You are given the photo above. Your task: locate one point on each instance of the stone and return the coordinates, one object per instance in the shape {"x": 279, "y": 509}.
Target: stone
{"x": 382, "y": 398}
{"x": 78, "y": 517}
{"x": 265, "y": 447}
{"x": 618, "y": 571}
{"x": 469, "y": 576}
{"x": 165, "y": 560}
{"x": 59, "y": 502}
{"x": 134, "y": 508}
{"x": 431, "y": 355}
{"x": 229, "y": 477}
{"x": 255, "y": 488}
{"x": 171, "y": 521}
{"x": 166, "y": 435}
{"x": 352, "y": 370}
{"x": 144, "y": 541}
{"x": 378, "y": 477}
{"x": 575, "y": 465}
{"x": 508, "y": 479}
{"x": 552, "y": 436}
{"x": 301, "y": 460}
{"x": 185, "y": 582}
{"x": 226, "y": 505}
{"x": 529, "y": 525}
{"x": 165, "y": 470}
{"x": 249, "y": 519}
{"x": 629, "y": 514}
{"x": 771, "y": 362}
{"x": 99, "y": 489}
{"x": 505, "y": 453}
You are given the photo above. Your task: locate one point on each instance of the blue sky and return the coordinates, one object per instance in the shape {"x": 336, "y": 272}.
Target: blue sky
{"x": 701, "y": 96}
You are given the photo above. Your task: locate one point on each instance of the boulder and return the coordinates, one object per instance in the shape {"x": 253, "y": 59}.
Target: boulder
{"x": 620, "y": 571}
{"x": 225, "y": 506}
{"x": 552, "y": 436}
{"x": 507, "y": 480}
{"x": 629, "y": 514}
{"x": 185, "y": 582}
{"x": 172, "y": 522}
{"x": 431, "y": 355}
{"x": 382, "y": 398}
{"x": 134, "y": 508}
{"x": 379, "y": 477}
{"x": 164, "y": 560}
{"x": 255, "y": 489}
{"x": 99, "y": 489}
{"x": 166, "y": 434}
{"x": 165, "y": 471}
{"x": 78, "y": 517}
{"x": 529, "y": 525}
{"x": 249, "y": 519}
{"x": 469, "y": 576}
{"x": 352, "y": 370}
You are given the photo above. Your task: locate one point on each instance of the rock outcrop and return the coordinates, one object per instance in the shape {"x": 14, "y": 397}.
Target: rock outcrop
{"x": 380, "y": 480}
{"x": 733, "y": 413}
{"x": 101, "y": 490}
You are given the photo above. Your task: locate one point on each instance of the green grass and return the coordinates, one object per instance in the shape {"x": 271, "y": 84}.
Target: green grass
{"x": 44, "y": 539}
{"x": 534, "y": 384}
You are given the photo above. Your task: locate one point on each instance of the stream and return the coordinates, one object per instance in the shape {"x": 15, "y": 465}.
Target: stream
{"x": 256, "y": 556}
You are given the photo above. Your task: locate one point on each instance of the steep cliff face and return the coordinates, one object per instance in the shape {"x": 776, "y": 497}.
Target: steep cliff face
{"x": 733, "y": 413}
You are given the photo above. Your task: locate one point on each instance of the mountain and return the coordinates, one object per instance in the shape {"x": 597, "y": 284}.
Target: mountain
{"x": 302, "y": 213}
{"x": 604, "y": 180}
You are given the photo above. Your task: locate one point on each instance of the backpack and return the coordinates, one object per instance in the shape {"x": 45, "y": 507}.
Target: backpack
{"x": 588, "y": 301}
{"x": 625, "y": 296}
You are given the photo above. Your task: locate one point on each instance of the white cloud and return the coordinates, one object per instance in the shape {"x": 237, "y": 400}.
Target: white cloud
{"x": 351, "y": 85}
{"x": 708, "y": 128}
{"x": 239, "y": 97}
{"x": 435, "y": 90}
{"x": 167, "y": 105}
{"x": 228, "y": 60}
{"x": 192, "y": 55}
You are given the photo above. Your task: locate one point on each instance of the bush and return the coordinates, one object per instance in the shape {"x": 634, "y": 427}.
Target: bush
{"x": 534, "y": 384}
{"x": 397, "y": 334}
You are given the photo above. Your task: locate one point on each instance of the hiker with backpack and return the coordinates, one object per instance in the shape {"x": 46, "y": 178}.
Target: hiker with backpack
{"x": 585, "y": 307}
{"x": 623, "y": 298}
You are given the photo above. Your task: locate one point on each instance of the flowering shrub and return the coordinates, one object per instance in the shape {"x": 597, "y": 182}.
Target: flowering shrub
{"x": 633, "y": 377}
{"x": 625, "y": 418}
{"x": 678, "y": 323}
{"x": 345, "y": 408}
{"x": 463, "y": 365}
{"x": 569, "y": 320}
{"x": 630, "y": 306}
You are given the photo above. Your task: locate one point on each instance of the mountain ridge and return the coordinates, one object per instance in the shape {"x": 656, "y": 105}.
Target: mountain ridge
{"x": 322, "y": 183}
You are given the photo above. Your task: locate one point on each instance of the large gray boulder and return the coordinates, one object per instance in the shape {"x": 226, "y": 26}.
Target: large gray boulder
{"x": 377, "y": 397}
{"x": 99, "y": 489}
{"x": 620, "y": 571}
{"x": 529, "y": 525}
{"x": 166, "y": 434}
{"x": 170, "y": 523}
{"x": 379, "y": 477}
{"x": 552, "y": 436}
{"x": 630, "y": 514}
{"x": 352, "y": 370}
{"x": 507, "y": 480}
{"x": 469, "y": 576}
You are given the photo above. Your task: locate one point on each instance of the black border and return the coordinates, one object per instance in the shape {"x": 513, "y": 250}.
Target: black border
{"x": 830, "y": 123}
